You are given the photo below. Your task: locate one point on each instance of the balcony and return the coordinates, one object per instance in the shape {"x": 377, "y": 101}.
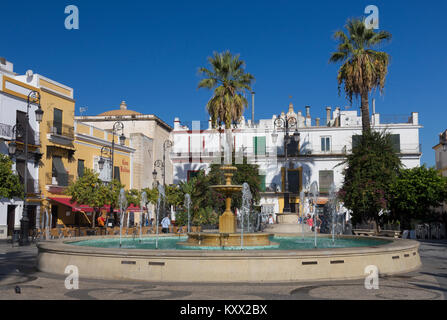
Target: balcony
{"x": 60, "y": 133}
{"x": 60, "y": 180}
{"x": 32, "y": 186}
{"x": 5, "y": 131}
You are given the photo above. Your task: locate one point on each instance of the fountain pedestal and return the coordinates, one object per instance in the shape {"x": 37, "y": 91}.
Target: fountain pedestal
{"x": 227, "y": 236}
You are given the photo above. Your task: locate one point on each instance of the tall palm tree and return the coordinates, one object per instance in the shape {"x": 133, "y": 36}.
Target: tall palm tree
{"x": 363, "y": 68}
{"x": 229, "y": 80}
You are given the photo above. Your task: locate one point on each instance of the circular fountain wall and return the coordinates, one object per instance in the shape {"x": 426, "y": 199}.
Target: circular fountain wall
{"x": 279, "y": 264}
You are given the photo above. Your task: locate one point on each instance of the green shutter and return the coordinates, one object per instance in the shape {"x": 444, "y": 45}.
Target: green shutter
{"x": 259, "y": 145}
{"x": 262, "y": 178}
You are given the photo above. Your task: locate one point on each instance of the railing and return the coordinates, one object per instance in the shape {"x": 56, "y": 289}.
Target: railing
{"x": 60, "y": 129}
{"x": 5, "y": 130}
{"x": 32, "y": 186}
{"x": 61, "y": 180}
{"x": 33, "y": 138}
{"x": 395, "y": 118}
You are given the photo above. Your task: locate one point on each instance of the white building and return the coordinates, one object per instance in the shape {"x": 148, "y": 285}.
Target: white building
{"x": 322, "y": 146}
{"x": 13, "y": 109}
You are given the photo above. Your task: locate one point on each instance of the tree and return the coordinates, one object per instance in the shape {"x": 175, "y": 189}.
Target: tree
{"x": 371, "y": 169}
{"x": 245, "y": 173}
{"x": 363, "y": 68}
{"x": 90, "y": 190}
{"x": 414, "y": 192}
{"x": 10, "y": 185}
{"x": 229, "y": 80}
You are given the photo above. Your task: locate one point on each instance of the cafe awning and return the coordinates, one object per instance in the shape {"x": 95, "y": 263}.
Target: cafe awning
{"x": 84, "y": 208}
{"x": 74, "y": 206}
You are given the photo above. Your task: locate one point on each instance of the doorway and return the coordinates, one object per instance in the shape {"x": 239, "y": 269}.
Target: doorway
{"x": 11, "y": 219}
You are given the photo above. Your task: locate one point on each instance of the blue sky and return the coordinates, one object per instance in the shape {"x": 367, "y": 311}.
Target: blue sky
{"x": 148, "y": 53}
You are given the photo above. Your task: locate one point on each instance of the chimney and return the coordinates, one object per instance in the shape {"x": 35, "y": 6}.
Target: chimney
{"x": 2, "y": 60}
{"x": 317, "y": 122}
{"x": 123, "y": 105}
{"x": 307, "y": 111}
{"x": 337, "y": 116}
{"x": 328, "y": 115}
{"x": 291, "y": 108}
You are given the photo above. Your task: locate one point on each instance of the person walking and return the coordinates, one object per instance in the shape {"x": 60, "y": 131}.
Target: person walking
{"x": 165, "y": 223}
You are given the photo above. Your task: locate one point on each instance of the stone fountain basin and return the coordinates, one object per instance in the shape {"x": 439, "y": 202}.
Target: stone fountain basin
{"x": 247, "y": 266}
{"x": 227, "y": 239}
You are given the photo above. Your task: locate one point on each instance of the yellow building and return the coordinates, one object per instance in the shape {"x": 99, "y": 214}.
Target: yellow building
{"x": 68, "y": 148}
{"x": 90, "y": 143}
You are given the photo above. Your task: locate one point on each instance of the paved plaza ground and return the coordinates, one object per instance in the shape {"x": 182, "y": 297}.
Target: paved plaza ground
{"x": 17, "y": 268}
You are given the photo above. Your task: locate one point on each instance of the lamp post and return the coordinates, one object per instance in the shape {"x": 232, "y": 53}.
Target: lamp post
{"x": 117, "y": 126}
{"x": 33, "y": 97}
{"x": 286, "y": 124}
{"x": 162, "y": 165}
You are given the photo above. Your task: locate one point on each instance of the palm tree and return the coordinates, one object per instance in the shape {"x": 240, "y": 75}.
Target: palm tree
{"x": 229, "y": 80}
{"x": 363, "y": 69}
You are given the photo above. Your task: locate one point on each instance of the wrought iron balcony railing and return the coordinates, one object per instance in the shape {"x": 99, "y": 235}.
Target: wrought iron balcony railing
{"x": 61, "y": 180}
{"x": 60, "y": 129}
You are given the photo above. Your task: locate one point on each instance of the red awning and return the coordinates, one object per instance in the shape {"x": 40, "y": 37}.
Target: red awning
{"x": 76, "y": 207}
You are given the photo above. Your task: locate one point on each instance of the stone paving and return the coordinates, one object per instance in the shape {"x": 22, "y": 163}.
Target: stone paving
{"x": 17, "y": 268}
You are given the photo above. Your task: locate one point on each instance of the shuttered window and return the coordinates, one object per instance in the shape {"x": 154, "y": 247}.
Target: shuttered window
{"x": 262, "y": 179}
{"x": 57, "y": 121}
{"x": 326, "y": 178}
{"x": 259, "y": 145}
{"x": 80, "y": 168}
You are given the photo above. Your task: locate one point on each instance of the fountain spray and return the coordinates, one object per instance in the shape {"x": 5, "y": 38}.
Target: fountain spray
{"x": 314, "y": 195}
{"x": 142, "y": 205}
{"x": 123, "y": 206}
{"x": 332, "y": 207}
{"x": 188, "y": 205}
{"x": 161, "y": 195}
{"x": 245, "y": 210}
{"x": 302, "y": 211}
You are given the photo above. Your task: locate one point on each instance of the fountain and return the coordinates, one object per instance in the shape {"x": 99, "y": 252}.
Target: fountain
{"x": 227, "y": 236}
{"x": 216, "y": 257}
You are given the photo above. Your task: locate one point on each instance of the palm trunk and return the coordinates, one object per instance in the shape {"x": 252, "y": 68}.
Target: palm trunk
{"x": 365, "y": 112}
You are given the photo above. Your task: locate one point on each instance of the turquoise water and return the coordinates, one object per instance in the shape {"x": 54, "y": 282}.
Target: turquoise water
{"x": 283, "y": 243}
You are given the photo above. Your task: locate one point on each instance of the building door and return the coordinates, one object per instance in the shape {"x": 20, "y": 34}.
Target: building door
{"x": 54, "y": 209}
{"x": 32, "y": 217}
{"x": 11, "y": 219}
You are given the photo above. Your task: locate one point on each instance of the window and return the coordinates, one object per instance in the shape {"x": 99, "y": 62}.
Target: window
{"x": 192, "y": 174}
{"x": 57, "y": 121}
{"x": 259, "y": 145}
{"x": 326, "y": 178}
{"x": 292, "y": 148}
{"x": 116, "y": 173}
{"x": 58, "y": 172}
{"x": 325, "y": 144}
{"x": 395, "y": 140}
{"x": 80, "y": 168}
{"x": 262, "y": 179}
{"x": 355, "y": 140}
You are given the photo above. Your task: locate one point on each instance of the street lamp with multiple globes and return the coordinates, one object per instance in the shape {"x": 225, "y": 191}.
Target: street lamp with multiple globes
{"x": 117, "y": 126}
{"x": 33, "y": 98}
{"x": 286, "y": 124}
{"x": 162, "y": 165}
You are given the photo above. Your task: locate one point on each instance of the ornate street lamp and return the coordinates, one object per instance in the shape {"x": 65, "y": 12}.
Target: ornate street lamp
{"x": 33, "y": 98}
{"x": 286, "y": 124}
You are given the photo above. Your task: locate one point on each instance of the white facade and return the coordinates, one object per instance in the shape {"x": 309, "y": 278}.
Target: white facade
{"x": 322, "y": 146}
{"x": 12, "y": 101}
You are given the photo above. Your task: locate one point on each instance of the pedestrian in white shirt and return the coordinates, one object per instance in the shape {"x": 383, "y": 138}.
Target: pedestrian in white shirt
{"x": 165, "y": 223}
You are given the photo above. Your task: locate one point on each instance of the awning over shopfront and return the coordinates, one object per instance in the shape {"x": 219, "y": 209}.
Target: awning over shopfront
{"x": 74, "y": 206}
{"x": 84, "y": 208}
